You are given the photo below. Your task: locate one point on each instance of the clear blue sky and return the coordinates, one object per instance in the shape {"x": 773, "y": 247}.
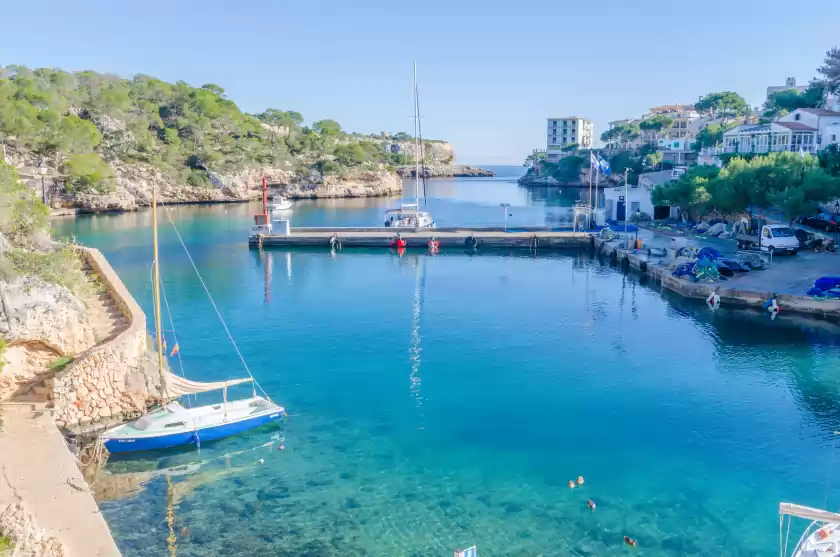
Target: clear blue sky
{"x": 490, "y": 72}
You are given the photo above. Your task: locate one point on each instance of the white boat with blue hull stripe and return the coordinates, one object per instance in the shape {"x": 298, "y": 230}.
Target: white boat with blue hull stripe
{"x": 173, "y": 425}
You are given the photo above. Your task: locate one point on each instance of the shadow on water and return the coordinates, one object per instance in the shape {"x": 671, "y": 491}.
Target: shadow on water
{"x": 817, "y": 388}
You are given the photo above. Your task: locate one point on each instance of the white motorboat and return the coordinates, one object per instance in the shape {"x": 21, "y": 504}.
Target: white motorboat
{"x": 278, "y": 204}
{"x": 409, "y": 215}
{"x": 820, "y": 539}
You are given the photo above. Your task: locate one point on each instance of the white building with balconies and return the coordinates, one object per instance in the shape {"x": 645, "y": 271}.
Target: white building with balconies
{"x": 806, "y": 129}
{"x": 562, "y": 132}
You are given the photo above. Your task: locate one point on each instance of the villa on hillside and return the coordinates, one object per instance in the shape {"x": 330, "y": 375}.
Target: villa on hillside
{"x": 806, "y": 129}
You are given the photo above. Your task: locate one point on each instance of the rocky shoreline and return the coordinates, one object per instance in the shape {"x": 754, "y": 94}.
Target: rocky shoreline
{"x": 445, "y": 171}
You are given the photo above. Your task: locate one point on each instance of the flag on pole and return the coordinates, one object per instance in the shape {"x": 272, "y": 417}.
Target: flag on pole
{"x": 469, "y": 552}
{"x": 174, "y": 350}
{"x": 593, "y": 161}
{"x": 604, "y": 166}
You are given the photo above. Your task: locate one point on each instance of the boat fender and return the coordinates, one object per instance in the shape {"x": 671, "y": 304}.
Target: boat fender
{"x": 334, "y": 242}
{"x": 713, "y": 300}
{"x": 433, "y": 245}
{"x": 197, "y": 440}
{"x": 772, "y": 305}
{"x": 643, "y": 266}
{"x": 470, "y": 241}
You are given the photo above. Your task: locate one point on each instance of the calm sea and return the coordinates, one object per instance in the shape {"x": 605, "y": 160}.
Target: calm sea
{"x": 441, "y": 402}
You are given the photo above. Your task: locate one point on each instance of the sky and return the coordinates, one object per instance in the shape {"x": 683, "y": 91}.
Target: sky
{"x": 490, "y": 72}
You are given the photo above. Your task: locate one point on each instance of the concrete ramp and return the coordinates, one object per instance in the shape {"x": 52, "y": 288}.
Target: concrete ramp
{"x": 37, "y": 468}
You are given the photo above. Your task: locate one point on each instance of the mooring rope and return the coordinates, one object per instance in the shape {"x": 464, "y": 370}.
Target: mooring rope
{"x": 216, "y": 309}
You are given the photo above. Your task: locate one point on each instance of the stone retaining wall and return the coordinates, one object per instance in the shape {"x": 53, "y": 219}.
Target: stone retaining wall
{"x": 109, "y": 380}
{"x": 731, "y": 297}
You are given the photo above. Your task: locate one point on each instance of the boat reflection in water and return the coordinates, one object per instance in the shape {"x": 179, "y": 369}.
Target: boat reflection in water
{"x": 185, "y": 471}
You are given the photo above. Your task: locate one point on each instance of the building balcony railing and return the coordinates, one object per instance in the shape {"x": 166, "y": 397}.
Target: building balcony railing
{"x": 759, "y": 149}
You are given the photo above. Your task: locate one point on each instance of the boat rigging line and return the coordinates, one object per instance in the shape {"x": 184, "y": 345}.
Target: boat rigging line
{"x": 255, "y": 384}
{"x": 420, "y": 137}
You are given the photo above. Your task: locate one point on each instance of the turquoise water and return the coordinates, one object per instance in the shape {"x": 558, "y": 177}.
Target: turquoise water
{"x": 440, "y": 402}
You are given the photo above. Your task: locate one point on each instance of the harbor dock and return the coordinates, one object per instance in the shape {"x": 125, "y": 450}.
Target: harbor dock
{"x": 447, "y": 238}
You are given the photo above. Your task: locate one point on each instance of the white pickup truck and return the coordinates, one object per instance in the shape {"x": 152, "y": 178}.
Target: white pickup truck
{"x": 772, "y": 238}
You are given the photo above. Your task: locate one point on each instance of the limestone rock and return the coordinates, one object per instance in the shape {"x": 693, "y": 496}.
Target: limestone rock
{"x": 444, "y": 171}
{"x": 356, "y": 184}
{"x": 34, "y": 310}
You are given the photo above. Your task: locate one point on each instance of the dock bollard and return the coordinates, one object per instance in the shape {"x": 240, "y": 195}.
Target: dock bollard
{"x": 284, "y": 227}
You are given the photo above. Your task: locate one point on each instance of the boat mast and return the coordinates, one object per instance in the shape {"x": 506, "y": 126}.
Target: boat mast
{"x": 158, "y": 335}
{"x": 416, "y": 144}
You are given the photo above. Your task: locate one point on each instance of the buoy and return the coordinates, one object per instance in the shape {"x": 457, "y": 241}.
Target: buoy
{"x": 713, "y": 300}
{"x": 262, "y": 461}
{"x": 580, "y": 480}
{"x": 630, "y": 541}
{"x": 591, "y": 505}
{"x": 571, "y": 484}
{"x": 282, "y": 447}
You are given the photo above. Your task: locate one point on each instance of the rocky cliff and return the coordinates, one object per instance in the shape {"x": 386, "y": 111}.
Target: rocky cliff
{"x": 439, "y": 170}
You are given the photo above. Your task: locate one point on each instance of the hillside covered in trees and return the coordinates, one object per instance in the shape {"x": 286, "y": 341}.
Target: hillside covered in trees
{"x": 103, "y": 136}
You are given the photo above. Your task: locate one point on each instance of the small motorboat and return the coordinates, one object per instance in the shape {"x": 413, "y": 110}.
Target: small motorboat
{"x": 278, "y": 204}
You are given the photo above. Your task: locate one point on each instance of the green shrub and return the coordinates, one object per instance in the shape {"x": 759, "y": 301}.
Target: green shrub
{"x": 198, "y": 178}
{"x": 22, "y": 213}
{"x": 2, "y": 363}
{"x": 58, "y": 265}
{"x": 88, "y": 173}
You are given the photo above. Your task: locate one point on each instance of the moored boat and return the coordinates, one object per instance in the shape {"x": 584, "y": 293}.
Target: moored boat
{"x": 820, "y": 538}
{"x": 173, "y": 425}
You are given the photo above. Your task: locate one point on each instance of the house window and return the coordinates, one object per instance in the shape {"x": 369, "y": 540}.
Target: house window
{"x": 635, "y": 206}
{"x": 797, "y": 117}
{"x": 833, "y": 138}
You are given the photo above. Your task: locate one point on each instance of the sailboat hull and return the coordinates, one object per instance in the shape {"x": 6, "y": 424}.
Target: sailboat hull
{"x": 190, "y": 427}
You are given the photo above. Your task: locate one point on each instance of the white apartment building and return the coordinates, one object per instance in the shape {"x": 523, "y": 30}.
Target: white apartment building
{"x": 565, "y": 131}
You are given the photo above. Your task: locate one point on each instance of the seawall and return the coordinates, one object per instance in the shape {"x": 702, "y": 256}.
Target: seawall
{"x": 729, "y": 297}
{"x": 112, "y": 379}
{"x": 46, "y": 507}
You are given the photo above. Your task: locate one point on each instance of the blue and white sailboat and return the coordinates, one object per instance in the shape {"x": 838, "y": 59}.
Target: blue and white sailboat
{"x": 174, "y": 425}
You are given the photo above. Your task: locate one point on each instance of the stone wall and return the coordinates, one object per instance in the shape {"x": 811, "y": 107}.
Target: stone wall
{"x": 110, "y": 380}
{"x": 730, "y": 297}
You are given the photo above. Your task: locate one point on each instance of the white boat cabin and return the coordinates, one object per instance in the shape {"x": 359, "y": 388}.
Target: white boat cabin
{"x": 408, "y": 216}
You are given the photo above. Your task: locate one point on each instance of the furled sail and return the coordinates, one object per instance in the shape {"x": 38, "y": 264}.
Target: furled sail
{"x": 178, "y": 386}
{"x": 808, "y": 512}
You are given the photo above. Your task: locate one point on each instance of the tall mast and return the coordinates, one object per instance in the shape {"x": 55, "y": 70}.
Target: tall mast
{"x": 157, "y": 291}
{"x": 416, "y": 144}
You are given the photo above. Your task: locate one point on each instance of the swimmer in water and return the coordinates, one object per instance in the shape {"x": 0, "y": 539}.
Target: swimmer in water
{"x": 630, "y": 541}
{"x": 591, "y": 505}
{"x": 571, "y": 484}
{"x": 580, "y": 480}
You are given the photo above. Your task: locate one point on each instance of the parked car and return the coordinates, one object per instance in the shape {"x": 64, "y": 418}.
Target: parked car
{"x": 820, "y": 220}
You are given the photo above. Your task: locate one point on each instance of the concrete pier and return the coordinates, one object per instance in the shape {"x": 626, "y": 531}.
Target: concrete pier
{"x": 447, "y": 238}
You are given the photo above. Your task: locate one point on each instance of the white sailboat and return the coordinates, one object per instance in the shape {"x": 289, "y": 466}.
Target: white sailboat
{"x": 820, "y": 539}
{"x": 409, "y": 215}
{"x": 174, "y": 425}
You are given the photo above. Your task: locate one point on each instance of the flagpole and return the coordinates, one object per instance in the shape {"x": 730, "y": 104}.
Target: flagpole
{"x": 589, "y": 212}
{"x": 597, "y": 175}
